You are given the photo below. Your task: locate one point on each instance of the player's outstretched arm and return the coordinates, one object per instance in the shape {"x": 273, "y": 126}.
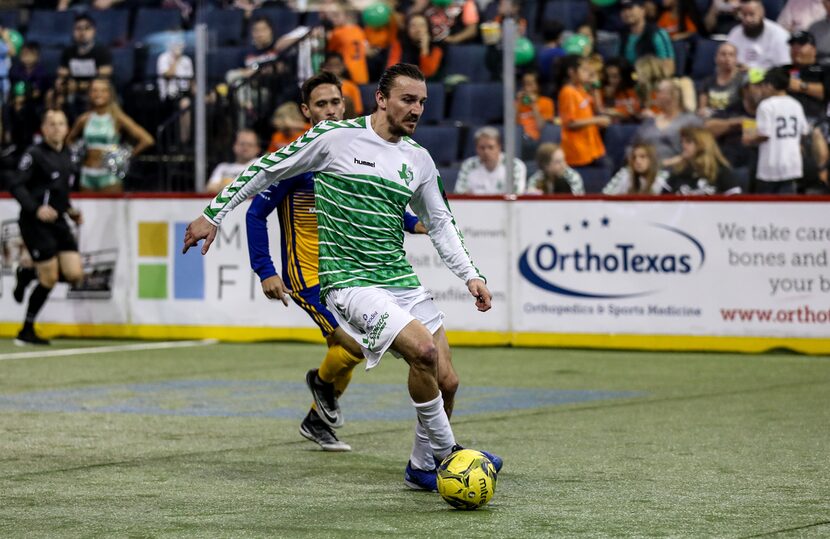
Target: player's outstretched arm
{"x": 199, "y": 229}
{"x": 479, "y": 291}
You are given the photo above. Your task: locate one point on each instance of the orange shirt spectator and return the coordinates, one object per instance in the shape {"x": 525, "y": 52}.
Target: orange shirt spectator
{"x": 581, "y": 140}
{"x": 385, "y": 36}
{"x": 333, "y": 63}
{"x": 415, "y": 46}
{"x": 350, "y": 42}
{"x": 532, "y": 110}
{"x": 352, "y": 93}
{"x": 626, "y": 103}
{"x": 670, "y": 22}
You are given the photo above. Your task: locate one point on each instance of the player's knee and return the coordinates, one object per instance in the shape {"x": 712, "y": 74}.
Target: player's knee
{"x": 47, "y": 278}
{"x": 448, "y": 385}
{"x": 426, "y": 355}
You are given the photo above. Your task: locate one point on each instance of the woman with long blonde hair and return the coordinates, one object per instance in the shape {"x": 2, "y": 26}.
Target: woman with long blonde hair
{"x": 101, "y": 130}
{"x": 641, "y": 175}
{"x": 702, "y": 169}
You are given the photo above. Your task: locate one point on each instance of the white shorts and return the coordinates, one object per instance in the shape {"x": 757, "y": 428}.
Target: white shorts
{"x": 374, "y": 316}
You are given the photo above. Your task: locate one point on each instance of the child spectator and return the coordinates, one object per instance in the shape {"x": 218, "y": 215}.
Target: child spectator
{"x": 618, "y": 94}
{"x": 554, "y": 175}
{"x": 532, "y": 110}
{"x": 579, "y": 113}
{"x": 415, "y": 46}
{"x": 288, "y": 123}
{"x": 679, "y": 19}
{"x": 641, "y": 175}
{"x": 702, "y": 169}
{"x": 333, "y": 63}
{"x": 349, "y": 40}
{"x": 551, "y": 50}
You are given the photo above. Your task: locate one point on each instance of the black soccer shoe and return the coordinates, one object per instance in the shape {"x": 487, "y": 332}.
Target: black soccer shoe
{"x": 24, "y": 277}
{"x": 28, "y": 337}
{"x": 328, "y": 409}
{"x": 314, "y": 429}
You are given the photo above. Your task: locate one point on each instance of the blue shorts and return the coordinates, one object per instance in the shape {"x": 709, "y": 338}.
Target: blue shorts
{"x": 309, "y": 300}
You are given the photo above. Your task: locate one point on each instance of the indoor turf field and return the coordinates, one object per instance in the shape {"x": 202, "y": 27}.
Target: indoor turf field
{"x": 201, "y": 441}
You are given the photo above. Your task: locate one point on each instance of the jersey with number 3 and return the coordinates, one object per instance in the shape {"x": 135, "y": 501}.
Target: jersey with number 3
{"x": 781, "y": 119}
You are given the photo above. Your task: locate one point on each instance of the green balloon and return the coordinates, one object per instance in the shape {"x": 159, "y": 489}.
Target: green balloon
{"x": 576, "y": 44}
{"x": 603, "y": 3}
{"x": 441, "y": 3}
{"x": 377, "y": 15}
{"x": 19, "y": 88}
{"x": 524, "y": 51}
{"x": 16, "y": 38}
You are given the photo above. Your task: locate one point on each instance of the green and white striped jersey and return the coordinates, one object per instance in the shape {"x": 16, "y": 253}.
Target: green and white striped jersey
{"x": 362, "y": 185}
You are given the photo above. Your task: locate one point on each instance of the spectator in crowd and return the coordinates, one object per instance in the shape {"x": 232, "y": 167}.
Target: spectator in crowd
{"x": 721, "y": 90}
{"x": 760, "y": 42}
{"x": 679, "y": 19}
{"x": 175, "y": 83}
{"x": 816, "y": 161}
{"x": 643, "y": 38}
{"x": 702, "y": 169}
{"x": 415, "y": 46}
{"x": 349, "y": 40}
{"x": 663, "y": 130}
{"x": 809, "y": 81}
{"x": 821, "y": 31}
{"x": 780, "y": 125}
{"x": 554, "y": 175}
{"x": 452, "y": 22}
{"x": 29, "y": 83}
{"x": 381, "y": 39}
{"x": 618, "y": 93}
{"x": 486, "y": 173}
{"x": 800, "y": 14}
{"x": 642, "y": 174}
{"x": 7, "y": 52}
{"x": 649, "y": 71}
{"x": 579, "y": 113}
{"x": 102, "y": 131}
{"x": 511, "y": 8}
{"x": 245, "y": 151}
{"x": 85, "y": 59}
{"x": 551, "y": 50}
{"x": 288, "y": 123}
{"x": 727, "y": 125}
{"x": 533, "y": 110}
{"x": 333, "y": 63}
{"x": 721, "y": 16}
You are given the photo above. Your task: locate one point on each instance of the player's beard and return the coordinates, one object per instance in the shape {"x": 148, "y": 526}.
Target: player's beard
{"x": 399, "y": 129}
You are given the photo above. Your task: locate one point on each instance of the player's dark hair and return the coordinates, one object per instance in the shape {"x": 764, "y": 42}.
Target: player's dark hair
{"x": 778, "y": 78}
{"x": 84, "y": 17}
{"x": 49, "y": 111}
{"x": 324, "y": 77}
{"x": 387, "y": 79}
{"x": 262, "y": 18}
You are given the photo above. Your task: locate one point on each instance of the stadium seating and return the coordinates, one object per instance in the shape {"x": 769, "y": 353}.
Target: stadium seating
{"x": 112, "y": 26}
{"x": 225, "y": 26}
{"x": 10, "y": 18}
{"x": 220, "y": 61}
{"x": 151, "y": 21}
{"x": 123, "y": 66}
{"x": 594, "y": 178}
{"x": 478, "y": 103}
{"x": 436, "y": 103}
{"x": 449, "y": 175}
{"x": 441, "y": 140}
{"x": 681, "y": 56}
{"x": 467, "y": 60}
{"x": 703, "y": 62}
{"x": 617, "y": 138}
{"x": 773, "y": 8}
{"x": 571, "y": 13}
{"x": 283, "y": 19}
{"x": 367, "y": 96}
{"x": 50, "y": 59}
{"x": 551, "y": 133}
{"x": 50, "y": 28}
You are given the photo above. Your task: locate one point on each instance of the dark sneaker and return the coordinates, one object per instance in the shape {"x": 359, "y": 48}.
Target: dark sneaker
{"x": 420, "y": 479}
{"x": 328, "y": 409}
{"x": 317, "y": 431}
{"x": 27, "y": 337}
{"x": 497, "y": 461}
{"x": 24, "y": 277}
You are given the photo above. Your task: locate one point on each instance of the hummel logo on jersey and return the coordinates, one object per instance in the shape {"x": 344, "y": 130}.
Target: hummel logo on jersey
{"x": 406, "y": 174}
{"x": 364, "y": 163}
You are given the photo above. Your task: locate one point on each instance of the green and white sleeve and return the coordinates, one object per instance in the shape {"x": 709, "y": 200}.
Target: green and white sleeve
{"x": 431, "y": 207}
{"x": 308, "y": 153}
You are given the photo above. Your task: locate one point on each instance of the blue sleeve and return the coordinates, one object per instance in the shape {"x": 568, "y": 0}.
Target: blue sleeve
{"x": 256, "y": 225}
{"x": 409, "y": 222}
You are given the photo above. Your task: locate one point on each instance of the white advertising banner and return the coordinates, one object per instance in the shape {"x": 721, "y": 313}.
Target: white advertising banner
{"x": 565, "y": 266}
{"x": 680, "y": 268}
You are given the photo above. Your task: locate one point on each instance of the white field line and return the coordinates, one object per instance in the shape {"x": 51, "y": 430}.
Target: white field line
{"x": 108, "y": 349}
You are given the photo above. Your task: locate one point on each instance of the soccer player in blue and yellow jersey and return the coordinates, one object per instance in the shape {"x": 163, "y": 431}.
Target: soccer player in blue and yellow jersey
{"x": 293, "y": 200}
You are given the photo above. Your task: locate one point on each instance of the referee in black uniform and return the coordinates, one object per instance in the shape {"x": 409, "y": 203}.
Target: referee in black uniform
{"x": 44, "y": 178}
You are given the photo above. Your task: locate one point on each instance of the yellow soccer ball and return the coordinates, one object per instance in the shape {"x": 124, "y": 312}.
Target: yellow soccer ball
{"x": 466, "y": 479}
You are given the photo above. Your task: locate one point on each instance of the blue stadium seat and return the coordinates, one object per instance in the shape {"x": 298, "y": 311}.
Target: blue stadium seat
{"x": 112, "y": 26}
{"x": 467, "y": 60}
{"x": 441, "y": 141}
{"x": 225, "y": 26}
{"x": 51, "y": 28}
{"x": 123, "y": 66}
{"x": 220, "y": 61}
{"x": 469, "y": 148}
{"x": 551, "y": 133}
{"x": 150, "y": 21}
{"x": 594, "y": 178}
{"x": 478, "y": 103}
{"x": 571, "y": 13}
{"x": 703, "y": 63}
{"x": 283, "y": 19}
{"x": 773, "y": 8}
{"x": 616, "y": 139}
{"x": 436, "y": 102}
{"x": 448, "y": 177}
{"x": 10, "y": 18}
{"x": 681, "y": 56}
{"x": 50, "y": 59}
{"x": 367, "y": 96}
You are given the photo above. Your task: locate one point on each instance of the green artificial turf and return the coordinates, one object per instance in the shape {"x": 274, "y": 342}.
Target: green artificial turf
{"x": 682, "y": 445}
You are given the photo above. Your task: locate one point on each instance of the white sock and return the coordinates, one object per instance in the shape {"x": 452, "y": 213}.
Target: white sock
{"x": 421, "y": 457}
{"x": 436, "y": 424}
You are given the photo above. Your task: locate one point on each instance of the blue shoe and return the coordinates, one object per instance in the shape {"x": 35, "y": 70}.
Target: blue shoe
{"x": 497, "y": 461}
{"x": 420, "y": 479}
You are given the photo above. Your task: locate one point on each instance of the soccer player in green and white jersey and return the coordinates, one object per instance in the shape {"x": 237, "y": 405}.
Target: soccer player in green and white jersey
{"x": 366, "y": 171}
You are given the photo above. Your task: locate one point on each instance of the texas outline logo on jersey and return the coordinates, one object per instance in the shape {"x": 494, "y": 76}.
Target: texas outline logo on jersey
{"x": 406, "y": 174}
